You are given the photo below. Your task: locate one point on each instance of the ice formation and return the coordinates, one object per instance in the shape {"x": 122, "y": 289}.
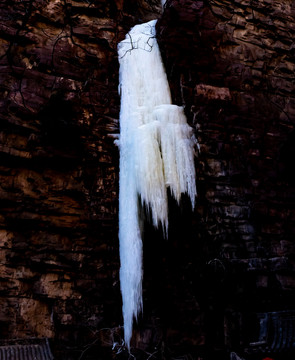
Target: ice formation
{"x": 156, "y": 152}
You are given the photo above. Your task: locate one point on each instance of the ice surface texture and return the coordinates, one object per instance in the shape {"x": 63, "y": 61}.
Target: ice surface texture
{"x": 156, "y": 151}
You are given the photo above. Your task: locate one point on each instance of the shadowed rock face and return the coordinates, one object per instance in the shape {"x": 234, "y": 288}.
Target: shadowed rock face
{"x": 231, "y": 64}
{"x": 234, "y": 73}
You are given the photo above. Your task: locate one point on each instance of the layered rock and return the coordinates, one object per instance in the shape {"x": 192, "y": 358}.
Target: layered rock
{"x": 59, "y": 168}
{"x": 231, "y": 65}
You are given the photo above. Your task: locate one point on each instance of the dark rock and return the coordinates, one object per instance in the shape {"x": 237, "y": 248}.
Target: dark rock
{"x": 230, "y": 64}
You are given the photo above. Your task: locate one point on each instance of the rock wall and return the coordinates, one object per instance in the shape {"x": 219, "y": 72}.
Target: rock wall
{"x": 231, "y": 65}
{"x": 59, "y": 107}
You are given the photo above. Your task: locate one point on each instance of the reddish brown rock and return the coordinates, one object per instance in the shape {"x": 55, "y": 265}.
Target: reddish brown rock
{"x": 231, "y": 65}
{"x": 59, "y": 109}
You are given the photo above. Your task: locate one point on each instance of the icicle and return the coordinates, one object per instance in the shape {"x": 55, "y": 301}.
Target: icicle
{"x": 156, "y": 152}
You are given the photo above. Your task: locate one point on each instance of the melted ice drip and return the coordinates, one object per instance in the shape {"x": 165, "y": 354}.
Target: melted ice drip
{"x": 156, "y": 152}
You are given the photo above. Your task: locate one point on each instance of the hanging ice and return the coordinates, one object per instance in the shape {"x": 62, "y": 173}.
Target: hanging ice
{"x": 156, "y": 152}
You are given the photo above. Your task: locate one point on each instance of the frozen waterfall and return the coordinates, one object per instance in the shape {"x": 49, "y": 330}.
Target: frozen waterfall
{"x": 156, "y": 152}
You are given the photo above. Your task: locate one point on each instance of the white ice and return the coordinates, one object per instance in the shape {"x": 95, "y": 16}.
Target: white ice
{"x": 156, "y": 152}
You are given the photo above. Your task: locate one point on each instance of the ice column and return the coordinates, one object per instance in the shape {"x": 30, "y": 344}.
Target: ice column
{"x": 156, "y": 151}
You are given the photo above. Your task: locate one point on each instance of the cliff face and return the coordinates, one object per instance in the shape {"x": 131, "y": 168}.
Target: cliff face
{"x": 231, "y": 64}
{"x": 59, "y": 167}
